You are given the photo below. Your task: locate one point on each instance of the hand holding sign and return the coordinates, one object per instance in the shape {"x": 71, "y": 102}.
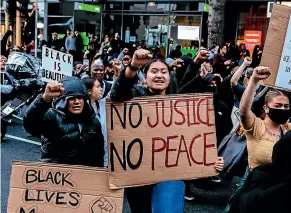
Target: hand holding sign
{"x": 219, "y": 164}
{"x": 102, "y": 205}
{"x": 261, "y": 73}
{"x": 140, "y": 57}
{"x": 53, "y": 90}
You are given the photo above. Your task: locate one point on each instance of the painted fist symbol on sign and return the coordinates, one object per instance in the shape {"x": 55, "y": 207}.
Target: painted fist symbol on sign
{"x": 102, "y": 205}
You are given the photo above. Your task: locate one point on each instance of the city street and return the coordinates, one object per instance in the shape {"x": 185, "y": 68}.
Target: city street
{"x": 18, "y": 145}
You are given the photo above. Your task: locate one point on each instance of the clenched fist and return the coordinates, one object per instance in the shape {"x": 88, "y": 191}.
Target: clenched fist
{"x": 202, "y": 55}
{"x": 52, "y": 90}
{"x": 102, "y": 205}
{"x": 140, "y": 58}
{"x": 261, "y": 73}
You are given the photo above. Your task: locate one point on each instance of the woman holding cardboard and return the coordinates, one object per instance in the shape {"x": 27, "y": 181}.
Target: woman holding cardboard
{"x": 165, "y": 197}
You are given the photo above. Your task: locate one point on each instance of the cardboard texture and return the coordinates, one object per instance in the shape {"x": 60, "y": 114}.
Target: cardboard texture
{"x": 160, "y": 138}
{"x": 274, "y": 45}
{"x": 55, "y": 188}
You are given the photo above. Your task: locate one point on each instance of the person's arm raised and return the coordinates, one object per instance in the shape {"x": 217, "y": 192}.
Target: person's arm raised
{"x": 140, "y": 58}
{"x": 246, "y": 114}
{"x": 237, "y": 75}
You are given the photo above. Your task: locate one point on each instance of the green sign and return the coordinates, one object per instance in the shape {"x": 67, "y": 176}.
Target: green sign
{"x": 89, "y": 7}
{"x": 206, "y": 8}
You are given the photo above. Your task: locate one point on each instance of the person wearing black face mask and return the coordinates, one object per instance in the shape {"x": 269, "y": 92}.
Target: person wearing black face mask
{"x": 263, "y": 134}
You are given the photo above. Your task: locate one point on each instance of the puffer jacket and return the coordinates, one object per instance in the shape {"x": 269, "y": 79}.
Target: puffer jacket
{"x": 66, "y": 138}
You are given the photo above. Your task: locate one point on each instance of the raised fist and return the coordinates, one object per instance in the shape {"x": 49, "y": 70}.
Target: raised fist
{"x": 52, "y": 90}
{"x": 202, "y": 55}
{"x": 261, "y": 73}
{"x": 102, "y": 205}
{"x": 140, "y": 58}
{"x": 247, "y": 61}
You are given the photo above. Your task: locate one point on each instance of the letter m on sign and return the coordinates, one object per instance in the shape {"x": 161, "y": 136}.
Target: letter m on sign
{"x": 24, "y": 210}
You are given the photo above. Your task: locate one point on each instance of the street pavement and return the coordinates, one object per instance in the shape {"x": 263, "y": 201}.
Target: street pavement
{"x": 17, "y": 146}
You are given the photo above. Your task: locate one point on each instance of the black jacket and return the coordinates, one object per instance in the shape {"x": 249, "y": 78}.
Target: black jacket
{"x": 66, "y": 138}
{"x": 268, "y": 187}
{"x": 223, "y": 121}
{"x": 125, "y": 89}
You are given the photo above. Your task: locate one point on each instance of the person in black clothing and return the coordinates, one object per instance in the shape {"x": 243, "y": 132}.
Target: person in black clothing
{"x": 55, "y": 42}
{"x": 70, "y": 133}
{"x": 176, "y": 53}
{"x": 79, "y": 45}
{"x": 158, "y": 79}
{"x": 116, "y": 45}
{"x": 257, "y": 55}
{"x": 220, "y": 62}
{"x": 268, "y": 187}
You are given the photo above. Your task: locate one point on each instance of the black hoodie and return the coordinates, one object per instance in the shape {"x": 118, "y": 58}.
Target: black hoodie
{"x": 66, "y": 138}
{"x": 223, "y": 121}
{"x": 268, "y": 187}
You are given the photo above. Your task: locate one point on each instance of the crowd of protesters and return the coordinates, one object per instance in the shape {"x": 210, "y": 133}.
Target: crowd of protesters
{"x": 71, "y": 117}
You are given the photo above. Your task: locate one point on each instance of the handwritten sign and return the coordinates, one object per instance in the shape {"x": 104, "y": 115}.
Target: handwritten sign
{"x": 160, "y": 138}
{"x": 277, "y": 49}
{"x": 283, "y": 79}
{"x": 55, "y": 188}
{"x": 55, "y": 65}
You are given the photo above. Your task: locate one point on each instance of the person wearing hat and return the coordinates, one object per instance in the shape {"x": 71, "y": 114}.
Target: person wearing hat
{"x": 55, "y": 42}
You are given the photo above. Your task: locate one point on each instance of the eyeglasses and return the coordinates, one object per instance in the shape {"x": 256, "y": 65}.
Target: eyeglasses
{"x": 125, "y": 59}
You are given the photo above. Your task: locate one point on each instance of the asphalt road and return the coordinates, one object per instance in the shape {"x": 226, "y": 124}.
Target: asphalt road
{"x": 210, "y": 199}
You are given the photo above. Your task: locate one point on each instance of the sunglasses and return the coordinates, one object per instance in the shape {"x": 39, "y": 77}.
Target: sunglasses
{"x": 125, "y": 59}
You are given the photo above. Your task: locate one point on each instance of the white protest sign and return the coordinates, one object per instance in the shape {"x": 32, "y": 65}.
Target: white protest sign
{"x": 55, "y": 65}
{"x": 188, "y": 33}
{"x": 283, "y": 79}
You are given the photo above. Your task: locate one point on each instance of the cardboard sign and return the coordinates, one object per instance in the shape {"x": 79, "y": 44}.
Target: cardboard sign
{"x": 160, "y": 138}
{"x": 55, "y": 65}
{"x": 252, "y": 38}
{"x": 277, "y": 54}
{"x": 55, "y": 188}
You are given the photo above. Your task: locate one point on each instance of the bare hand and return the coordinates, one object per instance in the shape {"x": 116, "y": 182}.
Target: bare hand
{"x": 116, "y": 66}
{"x": 177, "y": 63}
{"x": 84, "y": 68}
{"x": 203, "y": 70}
{"x": 227, "y": 62}
{"x": 202, "y": 55}
{"x": 140, "y": 57}
{"x": 247, "y": 61}
{"x": 53, "y": 90}
{"x": 261, "y": 73}
{"x": 219, "y": 164}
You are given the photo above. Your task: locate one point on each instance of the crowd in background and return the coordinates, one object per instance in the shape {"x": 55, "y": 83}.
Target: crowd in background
{"x": 72, "y": 121}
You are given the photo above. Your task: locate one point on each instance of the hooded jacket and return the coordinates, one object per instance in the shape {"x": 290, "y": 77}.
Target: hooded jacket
{"x": 268, "y": 187}
{"x": 66, "y": 138}
{"x": 223, "y": 121}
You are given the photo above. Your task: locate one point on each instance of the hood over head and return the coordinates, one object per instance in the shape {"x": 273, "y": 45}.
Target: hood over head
{"x": 281, "y": 157}
{"x": 209, "y": 77}
{"x": 74, "y": 87}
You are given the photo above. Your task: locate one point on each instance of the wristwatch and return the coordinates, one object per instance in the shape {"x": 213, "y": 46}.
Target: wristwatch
{"x": 133, "y": 68}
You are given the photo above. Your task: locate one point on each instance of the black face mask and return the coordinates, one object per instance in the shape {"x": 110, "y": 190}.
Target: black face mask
{"x": 279, "y": 116}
